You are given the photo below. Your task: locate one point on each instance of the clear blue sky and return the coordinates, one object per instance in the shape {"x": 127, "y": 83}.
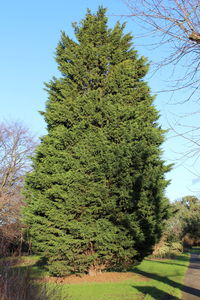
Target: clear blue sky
{"x": 30, "y": 31}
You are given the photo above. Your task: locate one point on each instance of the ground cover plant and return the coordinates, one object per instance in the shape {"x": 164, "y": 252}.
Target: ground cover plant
{"x": 95, "y": 198}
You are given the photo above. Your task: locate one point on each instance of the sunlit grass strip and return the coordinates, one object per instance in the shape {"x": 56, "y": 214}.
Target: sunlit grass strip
{"x": 160, "y": 278}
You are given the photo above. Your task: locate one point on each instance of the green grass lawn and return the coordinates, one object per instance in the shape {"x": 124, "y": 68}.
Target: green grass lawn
{"x": 160, "y": 279}
{"x": 152, "y": 279}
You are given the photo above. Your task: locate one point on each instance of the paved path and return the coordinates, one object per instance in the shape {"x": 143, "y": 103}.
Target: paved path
{"x": 191, "y": 289}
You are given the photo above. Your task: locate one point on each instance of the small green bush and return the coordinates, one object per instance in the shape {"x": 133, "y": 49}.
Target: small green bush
{"x": 167, "y": 250}
{"x": 59, "y": 268}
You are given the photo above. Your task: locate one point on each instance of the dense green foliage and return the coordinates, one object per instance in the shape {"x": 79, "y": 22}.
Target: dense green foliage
{"x": 182, "y": 229}
{"x": 188, "y": 210}
{"x": 95, "y": 196}
{"x": 185, "y": 219}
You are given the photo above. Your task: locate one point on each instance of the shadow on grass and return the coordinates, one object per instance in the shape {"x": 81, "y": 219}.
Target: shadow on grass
{"x": 155, "y": 293}
{"x": 39, "y": 268}
{"x": 182, "y": 287}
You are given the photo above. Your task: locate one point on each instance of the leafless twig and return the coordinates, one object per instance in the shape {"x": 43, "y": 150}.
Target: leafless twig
{"x": 176, "y": 24}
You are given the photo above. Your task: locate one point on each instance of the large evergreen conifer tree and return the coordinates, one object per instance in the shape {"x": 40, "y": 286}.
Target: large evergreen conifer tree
{"x": 95, "y": 197}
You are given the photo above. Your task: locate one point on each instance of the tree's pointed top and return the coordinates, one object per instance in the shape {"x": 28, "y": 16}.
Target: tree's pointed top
{"x": 101, "y": 11}
{"x": 91, "y": 23}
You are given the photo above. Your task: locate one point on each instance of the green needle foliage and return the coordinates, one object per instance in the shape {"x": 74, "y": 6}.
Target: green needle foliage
{"x": 95, "y": 196}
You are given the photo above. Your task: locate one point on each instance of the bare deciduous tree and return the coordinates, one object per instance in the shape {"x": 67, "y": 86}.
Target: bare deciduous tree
{"x": 177, "y": 24}
{"x": 16, "y": 147}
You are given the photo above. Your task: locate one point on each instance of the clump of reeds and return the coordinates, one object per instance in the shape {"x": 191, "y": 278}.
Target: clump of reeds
{"x": 16, "y": 284}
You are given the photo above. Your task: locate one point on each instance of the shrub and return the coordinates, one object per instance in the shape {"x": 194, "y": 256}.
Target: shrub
{"x": 165, "y": 249}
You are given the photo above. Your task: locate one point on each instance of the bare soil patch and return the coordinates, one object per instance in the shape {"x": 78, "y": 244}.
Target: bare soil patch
{"x": 106, "y": 277}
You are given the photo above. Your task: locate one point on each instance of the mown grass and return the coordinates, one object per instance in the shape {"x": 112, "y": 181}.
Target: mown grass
{"x": 160, "y": 280}
{"x": 163, "y": 279}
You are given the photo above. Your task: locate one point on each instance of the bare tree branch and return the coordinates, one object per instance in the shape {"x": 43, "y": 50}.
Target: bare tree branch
{"x": 16, "y": 147}
{"x": 175, "y": 23}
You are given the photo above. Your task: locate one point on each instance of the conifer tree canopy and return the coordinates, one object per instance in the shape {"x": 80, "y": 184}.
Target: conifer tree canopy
{"x": 95, "y": 198}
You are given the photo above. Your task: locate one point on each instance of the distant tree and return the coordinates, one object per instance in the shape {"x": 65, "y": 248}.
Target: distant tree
{"x": 191, "y": 218}
{"x": 189, "y": 201}
{"x": 182, "y": 228}
{"x": 95, "y": 196}
{"x": 16, "y": 147}
{"x": 183, "y": 213}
